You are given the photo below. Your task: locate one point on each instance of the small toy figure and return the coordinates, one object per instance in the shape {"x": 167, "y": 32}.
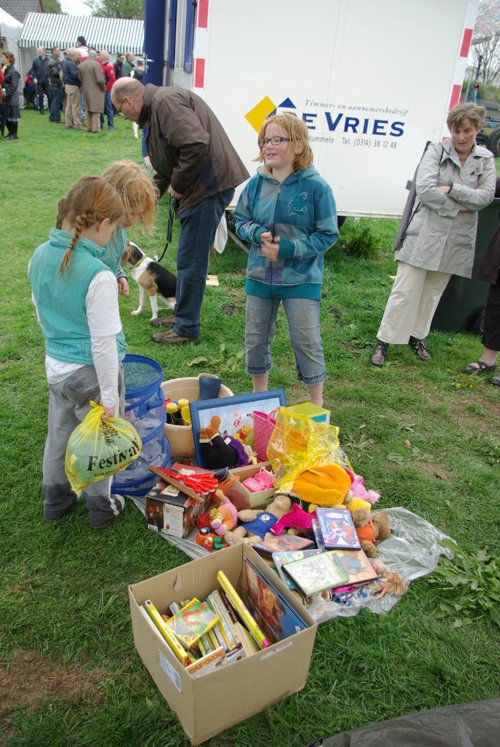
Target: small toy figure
{"x": 225, "y": 517}
{"x": 371, "y": 528}
{"x": 297, "y": 518}
{"x": 218, "y": 451}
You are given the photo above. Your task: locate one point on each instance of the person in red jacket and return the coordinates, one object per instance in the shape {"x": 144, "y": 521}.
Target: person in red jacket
{"x": 109, "y": 78}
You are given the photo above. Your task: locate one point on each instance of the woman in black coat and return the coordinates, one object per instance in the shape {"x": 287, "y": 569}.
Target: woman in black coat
{"x": 489, "y": 270}
{"x": 11, "y": 111}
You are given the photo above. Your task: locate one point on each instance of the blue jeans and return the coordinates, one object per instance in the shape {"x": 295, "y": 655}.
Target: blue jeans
{"x": 305, "y": 335}
{"x": 108, "y": 111}
{"x": 56, "y": 97}
{"x": 198, "y": 227}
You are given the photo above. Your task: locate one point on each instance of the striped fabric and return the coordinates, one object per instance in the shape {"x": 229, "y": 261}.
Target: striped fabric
{"x": 116, "y": 35}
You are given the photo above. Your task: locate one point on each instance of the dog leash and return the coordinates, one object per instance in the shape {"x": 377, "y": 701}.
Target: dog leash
{"x": 170, "y": 224}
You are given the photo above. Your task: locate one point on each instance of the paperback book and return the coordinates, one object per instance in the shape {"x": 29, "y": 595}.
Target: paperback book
{"x": 316, "y": 573}
{"x": 273, "y": 613}
{"x": 283, "y": 543}
{"x": 337, "y": 529}
{"x": 192, "y": 622}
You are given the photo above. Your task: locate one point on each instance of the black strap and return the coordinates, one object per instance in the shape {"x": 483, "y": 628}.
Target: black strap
{"x": 170, "y": 224}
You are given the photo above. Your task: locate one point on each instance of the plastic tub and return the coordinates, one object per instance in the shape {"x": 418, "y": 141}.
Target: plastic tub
{"x": 181, "y": 436}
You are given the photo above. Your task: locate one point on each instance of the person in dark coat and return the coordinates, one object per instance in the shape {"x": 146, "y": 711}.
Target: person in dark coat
{"x": 40, "y": 69}
{"x": 11, "y": 111}
{"x": 55, "y": 85}
{"x": 489, "y": 271}
{"x": 199, "y": 167}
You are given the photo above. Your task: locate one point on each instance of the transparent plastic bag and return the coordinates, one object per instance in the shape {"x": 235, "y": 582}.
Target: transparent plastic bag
{"x": 100, "y": 448}
{"x": 298, "y": 442}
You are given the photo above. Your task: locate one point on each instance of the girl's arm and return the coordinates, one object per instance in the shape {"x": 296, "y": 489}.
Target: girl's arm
{"x": 246, "y": 228}
{"x": 103, "y": 318}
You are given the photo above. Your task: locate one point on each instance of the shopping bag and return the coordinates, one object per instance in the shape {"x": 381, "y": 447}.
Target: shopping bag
{"x": 100, "y": 448}
{"x": 298, "y": 443}
{"x": 263, "y": 426}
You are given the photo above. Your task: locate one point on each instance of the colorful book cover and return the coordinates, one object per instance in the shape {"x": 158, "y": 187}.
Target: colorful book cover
{"x": 337, "y": 529}
{"x": 316, "y": 573}
{"x": 192, "y": 622}
{"x": 318, "y": 537}
{"x": 207, "y": 663}
{"x": 355, "y": 564}
{"x": 282, "y": 558}
{"x": 283, "y": 543}
{"x": 273, "y": 613}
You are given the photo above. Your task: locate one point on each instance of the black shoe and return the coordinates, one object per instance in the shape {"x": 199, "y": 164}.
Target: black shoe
{"x": 419, "y": 348}
{"x": 380, "y": 354}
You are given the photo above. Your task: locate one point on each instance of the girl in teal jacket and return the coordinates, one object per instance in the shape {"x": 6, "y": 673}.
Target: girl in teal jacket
{"x": 287, "y": 214}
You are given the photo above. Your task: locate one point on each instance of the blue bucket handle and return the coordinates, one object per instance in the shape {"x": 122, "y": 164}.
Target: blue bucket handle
{"x": 145, "y": 407}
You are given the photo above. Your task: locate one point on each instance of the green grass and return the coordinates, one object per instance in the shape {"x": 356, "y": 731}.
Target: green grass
{"x": 424, "y": 435}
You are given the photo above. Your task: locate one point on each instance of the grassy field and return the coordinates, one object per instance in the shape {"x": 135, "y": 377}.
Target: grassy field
{"x": 425, "y": 436}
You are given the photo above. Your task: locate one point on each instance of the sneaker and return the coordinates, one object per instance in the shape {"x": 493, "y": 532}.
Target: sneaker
{"x": 495, "y": 380}
{"x": 420, "y": 349}
{"x": 172, "y": 338}
{"x": 53, "y": 513}
{"x": 117, "y": 506}
{"x": 380, "y": 354}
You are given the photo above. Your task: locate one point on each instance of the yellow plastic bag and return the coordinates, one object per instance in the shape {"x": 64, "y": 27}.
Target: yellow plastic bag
{"x": 298, "y": 443}
{"x": 100, "y": 448}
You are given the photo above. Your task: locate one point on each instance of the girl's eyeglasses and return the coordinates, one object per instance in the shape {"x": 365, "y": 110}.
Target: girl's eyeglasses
{"x": 275, "y": 140}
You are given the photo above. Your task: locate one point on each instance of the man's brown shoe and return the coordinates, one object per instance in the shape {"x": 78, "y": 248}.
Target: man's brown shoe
{"x": 172, "y": 338}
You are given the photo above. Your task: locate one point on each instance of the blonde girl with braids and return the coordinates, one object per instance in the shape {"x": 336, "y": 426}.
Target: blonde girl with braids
{"x": 139, "y": 197}
{"x": 76, "y": 299}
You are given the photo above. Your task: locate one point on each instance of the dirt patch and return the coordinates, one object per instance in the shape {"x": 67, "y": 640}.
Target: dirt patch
{"x": 435, "y": 470}
{"x": 27, "y": 679}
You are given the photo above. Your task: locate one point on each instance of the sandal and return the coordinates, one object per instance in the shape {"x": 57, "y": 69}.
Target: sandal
{"x": 479, "y": 367}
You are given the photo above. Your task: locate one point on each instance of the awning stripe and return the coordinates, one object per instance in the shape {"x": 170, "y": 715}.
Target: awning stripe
{"x": 116, "y": 35}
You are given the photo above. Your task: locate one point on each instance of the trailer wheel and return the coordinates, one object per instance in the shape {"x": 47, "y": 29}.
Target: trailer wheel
{"x": 493, "y": 143}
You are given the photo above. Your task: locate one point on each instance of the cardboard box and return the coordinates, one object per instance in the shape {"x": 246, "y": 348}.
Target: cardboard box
{"x": 319, "y": 414}
{"x": 172, "y": 515}
{"x": 208, "y": 704}
{"x": 255, "y": 500}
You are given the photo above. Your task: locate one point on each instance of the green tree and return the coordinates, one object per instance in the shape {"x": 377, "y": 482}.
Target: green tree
{"x": 117, "y": 8}
{"x": 51, "y": 6}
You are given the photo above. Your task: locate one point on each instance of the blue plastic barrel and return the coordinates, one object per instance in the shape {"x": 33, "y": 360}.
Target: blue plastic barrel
{"x": 144, "y": 408}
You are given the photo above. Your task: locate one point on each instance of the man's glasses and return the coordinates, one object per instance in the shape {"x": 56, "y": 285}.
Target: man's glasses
{"x": 275, "y": 140}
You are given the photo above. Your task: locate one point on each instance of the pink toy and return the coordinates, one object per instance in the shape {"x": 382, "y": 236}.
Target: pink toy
{"x": 296, "y": 518}
{"x": 263, "y": 480}
{"x": 358, "y": 490}
{"x": 226, "y": 516}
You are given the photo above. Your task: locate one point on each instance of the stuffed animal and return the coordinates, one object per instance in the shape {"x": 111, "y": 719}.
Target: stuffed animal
{"x": 225, "y": 517}
{"x": 256, "y": 523}
{"x": 296, "y": 518}
{"x": 391, "y": 582}
{"x": 323, "y": 485}
{"x": 217, "y": 451}
{"x": 371, "y": 528}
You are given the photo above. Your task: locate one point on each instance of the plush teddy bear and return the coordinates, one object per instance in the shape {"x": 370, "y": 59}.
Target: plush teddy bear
{"x": 371, "y": 528}
{"x": 256, "y": 523}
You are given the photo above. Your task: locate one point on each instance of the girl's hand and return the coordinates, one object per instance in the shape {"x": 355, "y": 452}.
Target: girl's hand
{"x": 123, "y": 286}
{"x": 270, "y": 247}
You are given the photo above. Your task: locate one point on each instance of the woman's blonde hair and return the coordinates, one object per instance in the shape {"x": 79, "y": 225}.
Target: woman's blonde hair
{"x": 135, "y": 188}
{"x": 298, "y": 133}
{"x": 90, "y": 200}
{"x": 472, "y": 112}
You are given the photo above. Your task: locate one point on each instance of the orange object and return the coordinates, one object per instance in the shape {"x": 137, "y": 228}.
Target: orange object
{"x": 325, "y": 485}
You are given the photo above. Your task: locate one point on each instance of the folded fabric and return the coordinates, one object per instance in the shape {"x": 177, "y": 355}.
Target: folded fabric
{"x": 324, "y": 486}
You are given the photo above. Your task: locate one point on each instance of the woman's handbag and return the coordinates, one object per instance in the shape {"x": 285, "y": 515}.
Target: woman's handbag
{"x": 263, "y": 426}
{"x": 408, "y": 212}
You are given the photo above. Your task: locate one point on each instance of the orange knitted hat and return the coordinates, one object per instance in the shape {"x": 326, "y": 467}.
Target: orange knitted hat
{"x": 327, "y": 485}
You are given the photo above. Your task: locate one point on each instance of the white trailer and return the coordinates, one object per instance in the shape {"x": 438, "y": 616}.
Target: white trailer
{"x": 373, "y": 80}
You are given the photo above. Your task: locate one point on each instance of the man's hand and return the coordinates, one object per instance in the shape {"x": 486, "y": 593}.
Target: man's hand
{"x": 173, "y": 193}
{"x": 122, "y": 286}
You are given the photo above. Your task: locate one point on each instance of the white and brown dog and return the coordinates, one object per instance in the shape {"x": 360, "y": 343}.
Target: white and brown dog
{"x": 152, "y": 279}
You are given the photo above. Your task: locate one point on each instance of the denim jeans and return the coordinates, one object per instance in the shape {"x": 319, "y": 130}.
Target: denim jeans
{"x": 305, "y": 335}
{"x": 56, "y": 98}
{"x": 108, "y": 110}
{"x": 198, "y": 227}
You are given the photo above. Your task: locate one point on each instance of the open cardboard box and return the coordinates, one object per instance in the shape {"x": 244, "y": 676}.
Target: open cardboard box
{"x": 206, "y": 705}
{"x": 259, "y": 499}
